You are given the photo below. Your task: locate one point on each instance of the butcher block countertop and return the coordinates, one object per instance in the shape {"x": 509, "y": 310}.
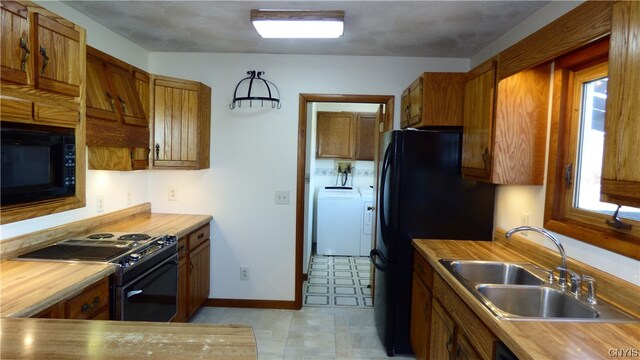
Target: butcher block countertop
{"x": 538, "y": 339}
{"x": 28, "y": 287}
{"x": 98, "y": 339}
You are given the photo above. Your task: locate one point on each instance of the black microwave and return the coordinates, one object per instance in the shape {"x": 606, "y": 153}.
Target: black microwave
{"x": 38, "y": 163}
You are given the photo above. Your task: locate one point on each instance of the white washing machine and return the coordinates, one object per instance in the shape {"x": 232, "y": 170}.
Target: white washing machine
{"x": 338, "y": 222}
{"x": 368, "y": 214}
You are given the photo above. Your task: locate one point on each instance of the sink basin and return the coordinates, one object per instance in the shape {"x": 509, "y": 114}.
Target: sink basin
{"x": 492, "y": 272}
{"x": 535, "y": 301}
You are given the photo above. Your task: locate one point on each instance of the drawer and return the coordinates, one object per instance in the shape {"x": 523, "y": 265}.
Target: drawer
{"x": 91, "y": 303}
{"x": 16, "y": 109}
{"x": 423, "y": 269}
{"x": 198, "y": 237}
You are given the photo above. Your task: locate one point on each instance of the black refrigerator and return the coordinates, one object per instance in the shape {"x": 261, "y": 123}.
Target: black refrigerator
{"x": 422, "y": 195}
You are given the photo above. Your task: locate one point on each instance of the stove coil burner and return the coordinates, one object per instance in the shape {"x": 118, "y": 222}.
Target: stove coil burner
{"x": 135, "y": 237}
{"x": 100, "y": 236}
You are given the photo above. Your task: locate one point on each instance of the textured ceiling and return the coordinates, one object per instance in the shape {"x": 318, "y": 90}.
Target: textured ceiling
{"x": 383, "y": 28}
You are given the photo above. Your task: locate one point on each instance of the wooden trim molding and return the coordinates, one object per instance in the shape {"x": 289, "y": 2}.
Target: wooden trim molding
{"x": 304, "y": 99}
{"x": 255, "y": 304}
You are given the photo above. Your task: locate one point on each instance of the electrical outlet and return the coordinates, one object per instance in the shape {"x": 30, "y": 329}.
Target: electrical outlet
{"x": 345, "y": 166}
{"x": 524, "y": 221}
{"x": 244, "y": 273}
{"x": 173, "y": 194}
{"x": 100, "y": 204}
{"x": 129, "y": 196}
{"x": 282, "y": 198}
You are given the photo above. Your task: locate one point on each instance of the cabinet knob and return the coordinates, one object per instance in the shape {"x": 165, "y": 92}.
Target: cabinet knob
{"x": 45, "y": 59}
{"x": 111, "y": 101}
{"x": 485, "y": 158}
{"x": 157, "y": 150}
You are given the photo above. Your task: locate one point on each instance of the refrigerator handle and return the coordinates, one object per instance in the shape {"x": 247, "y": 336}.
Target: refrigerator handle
{"x": 373, "y": 255}
{"x": 386, "y": 163}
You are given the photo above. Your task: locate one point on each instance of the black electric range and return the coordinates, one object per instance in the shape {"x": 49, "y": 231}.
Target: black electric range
{"x": 144, "y": 284}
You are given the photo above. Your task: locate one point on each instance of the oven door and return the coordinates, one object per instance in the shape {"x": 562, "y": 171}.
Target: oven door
{"x": 152, "y": 296}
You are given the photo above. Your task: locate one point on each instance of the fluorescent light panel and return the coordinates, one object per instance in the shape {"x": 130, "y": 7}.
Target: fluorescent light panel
{"x": 298, "y": 24}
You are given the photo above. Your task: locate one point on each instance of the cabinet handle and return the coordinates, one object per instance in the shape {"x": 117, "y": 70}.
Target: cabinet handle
{"x": 190, "y": 267}
{"x": 123, "y": 104}
{"x": 407, "y": 112}
{"x": 24, "y": 46}
{"x": 568, "y": 175}
{"x": 181, "y": 248}
{"x": 485, "y": 158}
{"x": 45, "y": 62}
{"x": 200, "y": 236}
{"x": 157, "y": 150}
{"x": 449, "y": 348}
{"x": 85, "y": 307}
{"x": 113, "y": 108}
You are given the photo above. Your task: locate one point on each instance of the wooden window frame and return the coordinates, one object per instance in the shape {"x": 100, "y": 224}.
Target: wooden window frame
{"x": 588, "y": 228}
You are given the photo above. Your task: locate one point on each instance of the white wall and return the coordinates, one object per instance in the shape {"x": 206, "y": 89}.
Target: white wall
{"x": 512, "y": 201}
{"x": 112, "y": 184}
{"x": 254, "y": 153}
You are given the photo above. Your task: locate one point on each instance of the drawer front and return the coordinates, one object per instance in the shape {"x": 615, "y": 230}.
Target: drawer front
{"x": 198, "y": 237}
{"x": 423, "y": 269}
{"x": 90, "y": 303}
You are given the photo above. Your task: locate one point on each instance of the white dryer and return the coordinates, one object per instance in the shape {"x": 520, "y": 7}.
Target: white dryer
{"x": 338, "y": 221}
{"x": 368, "y": 214}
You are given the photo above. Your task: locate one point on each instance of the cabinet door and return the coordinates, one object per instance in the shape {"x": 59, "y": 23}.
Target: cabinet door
{"x": 57, "y": 115}
{"x": 478, "y": 124}
{"x": 14, "y": 43}
{"x": 175, "y": 125}
{"x": 127, "y": 96}
{"x": 442, "y": 333}
{"x": 420, "y": 318}
{"x": 365, "y": 135}
{"x": 335, "y": 135}
{"x": 183, "y": 281}
{"x": 415, "y": 103}
{"x": 405, "y": 112}
{"x": 101, "y": 100}
{"x": 464, "y": 350}
{"x": 198, "y": 271}
{"x": 620, "y": 182}
{"x": 58, "y": 57}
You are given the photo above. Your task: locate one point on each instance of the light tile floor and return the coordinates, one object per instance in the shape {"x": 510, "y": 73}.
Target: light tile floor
{"x": 327, "y": 333}
{"x": 338, "y": 281}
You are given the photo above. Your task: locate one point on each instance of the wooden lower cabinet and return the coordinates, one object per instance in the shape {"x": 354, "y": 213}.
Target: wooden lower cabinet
{"x": 193, "y": 272}
{"x": 91, "y": 304}
{"x": 449, "y": 329}
{"x": 421, "y": 318}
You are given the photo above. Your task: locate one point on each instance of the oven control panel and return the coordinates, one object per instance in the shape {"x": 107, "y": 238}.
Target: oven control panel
{"x": 147, "y": 250}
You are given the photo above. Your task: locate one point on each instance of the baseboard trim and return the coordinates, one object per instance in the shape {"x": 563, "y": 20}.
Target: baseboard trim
{"x": 257, "y": 304}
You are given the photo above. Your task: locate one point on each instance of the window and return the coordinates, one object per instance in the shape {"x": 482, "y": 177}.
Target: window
{"x": 575, "y": 162}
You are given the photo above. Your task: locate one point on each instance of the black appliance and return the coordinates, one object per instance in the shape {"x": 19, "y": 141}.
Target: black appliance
{"x": 38, "y": 163}
{"x": 144, "y": 286}
{"x": 422, "y": 195}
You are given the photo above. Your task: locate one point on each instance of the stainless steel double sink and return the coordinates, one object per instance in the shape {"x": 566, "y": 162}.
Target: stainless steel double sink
{"x": 518, "y": 291}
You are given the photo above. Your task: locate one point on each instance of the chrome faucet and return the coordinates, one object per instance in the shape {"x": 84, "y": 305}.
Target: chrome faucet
{"x": 562, "y": 271}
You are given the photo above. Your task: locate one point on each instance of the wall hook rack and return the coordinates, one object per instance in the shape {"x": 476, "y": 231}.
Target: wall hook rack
{"x": 256, "y": 89}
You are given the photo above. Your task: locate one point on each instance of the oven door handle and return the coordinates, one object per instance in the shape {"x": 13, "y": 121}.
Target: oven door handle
{"x": 133, "y": 293}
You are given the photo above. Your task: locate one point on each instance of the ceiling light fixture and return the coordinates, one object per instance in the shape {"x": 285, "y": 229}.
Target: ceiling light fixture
{"x": 298, "y": 24}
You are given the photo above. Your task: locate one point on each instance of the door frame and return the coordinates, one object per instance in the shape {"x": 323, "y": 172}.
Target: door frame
{"x": 304, "y": 100}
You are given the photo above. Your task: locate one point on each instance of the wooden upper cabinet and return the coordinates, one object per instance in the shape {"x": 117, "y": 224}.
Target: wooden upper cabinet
{"x": 620, "y": 183}
{"x": 181, "y": 123}
{"x": 434, "y": 99}
{"x": 15, "y": 50}
{"x": 57, "y": 55}
{"x": 335, "y": 135}
{"x": 479, "y": 95}
{"x": 112, "y": 92}
{"x": 366, "y": 124}
{"x": 504, "y": 136}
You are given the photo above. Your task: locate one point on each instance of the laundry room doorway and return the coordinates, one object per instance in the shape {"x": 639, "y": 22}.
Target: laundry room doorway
{"x": 336, "y": 186}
